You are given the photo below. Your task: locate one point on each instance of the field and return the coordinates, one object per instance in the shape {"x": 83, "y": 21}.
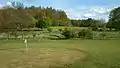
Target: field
{"x": 60, "y": 54}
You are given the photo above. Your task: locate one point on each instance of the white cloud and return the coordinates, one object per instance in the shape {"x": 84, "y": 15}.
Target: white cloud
{"x": 73, "y": 14}
{"x": 8, "y": 3}
{"x": 99, "y": 10}
{"x": 96, "y": 12}
{"x": 89, "y": 15}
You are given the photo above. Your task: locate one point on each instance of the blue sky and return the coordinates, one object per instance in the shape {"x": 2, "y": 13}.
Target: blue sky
{"x": 75, "y": 9}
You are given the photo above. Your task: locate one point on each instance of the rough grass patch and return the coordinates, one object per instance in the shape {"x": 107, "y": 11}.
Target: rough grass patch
{"x": 44, "y": 57}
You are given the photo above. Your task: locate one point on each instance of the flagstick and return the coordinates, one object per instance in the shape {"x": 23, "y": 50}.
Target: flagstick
{"x": 26, "y": 46}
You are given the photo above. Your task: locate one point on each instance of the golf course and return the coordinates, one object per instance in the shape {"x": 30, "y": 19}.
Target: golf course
{"x": 59, "y": 34}
{"x": 60, "y": 54}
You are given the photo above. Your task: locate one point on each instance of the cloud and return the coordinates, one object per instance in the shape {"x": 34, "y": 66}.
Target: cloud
{"x": 89, "y": 15}
{"x": 74, "y": 14}
{"x": 9, "y": 3}
{"x": 99, "y": 10}
{"x": 82, "y": 12}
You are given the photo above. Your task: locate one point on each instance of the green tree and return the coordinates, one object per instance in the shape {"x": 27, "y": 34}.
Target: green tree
{"x": 86, "y": 34}
{"x": 13, "y": 19}
{"x": 17, "y": 5}
{"x": 41, "y": 24}
{"x": 67, "y": 33}
{"x": 114, "y": 19}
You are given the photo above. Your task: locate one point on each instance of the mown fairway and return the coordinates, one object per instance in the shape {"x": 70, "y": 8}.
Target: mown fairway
{"x": 60, "y": 54}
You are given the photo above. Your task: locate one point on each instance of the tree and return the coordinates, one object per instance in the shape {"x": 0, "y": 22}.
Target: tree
{"x": 67, "y": 33}
{"x": 17, "y": 5}
{"x": 86, "y": 34}
{"x": 114, "y": 19}
{"x": 12, "y": 19}
{"x": 75, "y": 23}
{"x": 52, "y": 16}
{"x": 41, "y": 24}
{"x": 109, "y": 25}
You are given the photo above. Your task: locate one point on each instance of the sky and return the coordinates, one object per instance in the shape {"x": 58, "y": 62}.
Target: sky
{"x": 75, "y": 9}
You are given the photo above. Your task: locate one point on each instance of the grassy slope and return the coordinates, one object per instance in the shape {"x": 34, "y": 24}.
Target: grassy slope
{"x": 100, "y": 53}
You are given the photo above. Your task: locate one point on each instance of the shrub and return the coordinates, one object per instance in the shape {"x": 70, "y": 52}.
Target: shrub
{"x": 60, "y": 30}
{"x": 15, "y": 34}
{"x": 102, "y": 36}
{"x": 89, "y": 34}
{"x": 69, "y": 34}
{"x": 86, "y": 34}
{"x": 82, "y": 33}
{"x": 34, "y": 35}
{"x": 55, "y": 23}
{"x": 49, "y": 29}
{"x": 74, "y": 34}
{"x": 95, "y": 28}
{"x": 101, "y": 29}
{"x": 42, "y": 24}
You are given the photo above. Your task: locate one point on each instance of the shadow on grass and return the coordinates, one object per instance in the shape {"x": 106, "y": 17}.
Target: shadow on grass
{"x": 8, "y": 49}
{"x": 75, "y": 49}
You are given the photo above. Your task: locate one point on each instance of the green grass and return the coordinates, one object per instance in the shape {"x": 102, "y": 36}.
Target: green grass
{"x": 60, "y": 54}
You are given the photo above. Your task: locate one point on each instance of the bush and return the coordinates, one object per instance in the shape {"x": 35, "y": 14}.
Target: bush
{"x": 82, "y": 33}
{"x": 15, "y": 34}
{"x": 102, "y": 36}
{"x": 95, "y": 28}
{"x": 42, "y": 24}
{"x": 74, "y": 34}
{"x": 55, "y": 23}
{"x": 101, "y": 29}
{"x": 49, "y": 29}
{"x": 34, "y": 35}
{"x": 86, "y": 34}
{"x": 68, "y": 33}
{"x": 60, "y": 30}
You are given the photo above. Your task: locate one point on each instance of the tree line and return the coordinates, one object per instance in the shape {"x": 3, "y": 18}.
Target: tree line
{"x": 17, "y": 16}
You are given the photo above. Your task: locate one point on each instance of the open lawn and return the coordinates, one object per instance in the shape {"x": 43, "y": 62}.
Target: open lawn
{"x": 60, "y": 54}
